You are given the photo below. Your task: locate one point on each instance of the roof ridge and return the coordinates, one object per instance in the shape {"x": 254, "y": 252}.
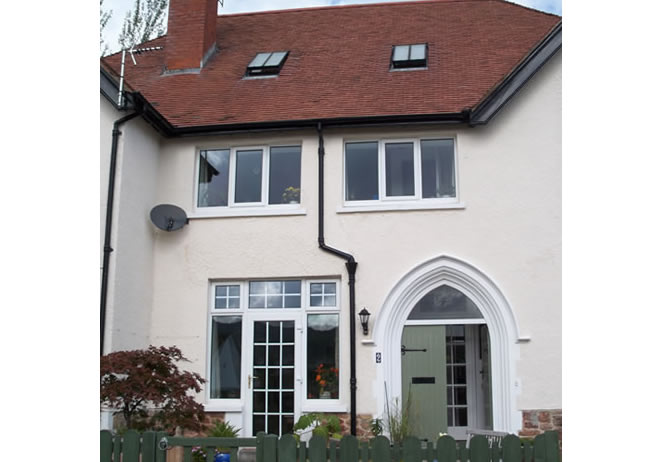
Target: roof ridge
{"x": 355, "y": 5}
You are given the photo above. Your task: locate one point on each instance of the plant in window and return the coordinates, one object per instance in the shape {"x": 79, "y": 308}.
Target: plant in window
{"x": 147, "y": 388}
{"x": 291, "y": 195}
{"x": 326, "y": 378}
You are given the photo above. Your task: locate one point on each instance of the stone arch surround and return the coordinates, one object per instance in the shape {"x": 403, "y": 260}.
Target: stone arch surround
{"x": 497, "y": 312}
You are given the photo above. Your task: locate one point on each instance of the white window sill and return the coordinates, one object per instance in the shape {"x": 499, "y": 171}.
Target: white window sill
{"x": 315, "y": 406}
{"x": 221, "y": 407}
{"x": 395, "y": 206}
{"x": 247, "y": 212}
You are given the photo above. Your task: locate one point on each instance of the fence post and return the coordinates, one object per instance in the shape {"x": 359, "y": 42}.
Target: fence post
{"x": 317, "y": 449}
{"x": 106, "y": 446}
{"x": 348, "y": 449}
{"x": 259, "y": 445}
{"x": 117, "y": 448}
{"x": 131, "y": 446}
{"x": 511, "y": 449}
{"x": 479, "y": 449}
{"x": 540, "y": 448}
{"x": 411, "y": 449}
{"x": 161, "y": 447}
{"x": 287, "y": 449}
{"x": 149, "y": 447}
{"x": 446, "y": 449}
{"x": 269, "y": 449}
{"x": 551, "y": 443}
{"x": 381, "y": 449}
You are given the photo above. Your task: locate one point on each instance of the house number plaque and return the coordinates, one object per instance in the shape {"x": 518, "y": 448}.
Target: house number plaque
{"x": 378, "y": 357}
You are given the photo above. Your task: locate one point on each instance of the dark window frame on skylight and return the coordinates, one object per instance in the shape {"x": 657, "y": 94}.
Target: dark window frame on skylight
{"x": 411, "y": 56}
{"x": 267, "y": 63}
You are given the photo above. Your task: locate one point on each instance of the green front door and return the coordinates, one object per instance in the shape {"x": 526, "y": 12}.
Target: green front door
{"x": 424, "y": 379}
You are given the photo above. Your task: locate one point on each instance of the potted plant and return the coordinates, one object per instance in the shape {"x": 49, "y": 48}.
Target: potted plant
{"x": 291, "y": 195}
{"x": 326, "y": 425}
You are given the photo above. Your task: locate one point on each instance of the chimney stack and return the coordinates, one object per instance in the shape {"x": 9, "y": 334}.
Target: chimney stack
{"x": 191, "y": 34}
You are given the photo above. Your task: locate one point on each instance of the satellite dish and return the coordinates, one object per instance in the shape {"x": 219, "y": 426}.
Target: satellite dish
{"x": 168, "y": 217}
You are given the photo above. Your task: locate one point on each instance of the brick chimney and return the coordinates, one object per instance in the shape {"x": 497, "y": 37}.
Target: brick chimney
{"x": 191, "y": 34}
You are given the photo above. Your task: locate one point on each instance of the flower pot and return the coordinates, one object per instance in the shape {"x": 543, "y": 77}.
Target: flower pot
{"x": 324, "y": 395}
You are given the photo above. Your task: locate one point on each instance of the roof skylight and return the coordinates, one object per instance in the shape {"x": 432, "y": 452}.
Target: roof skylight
{"x": 408, "y": 56}
{"x": 267, "y": 63}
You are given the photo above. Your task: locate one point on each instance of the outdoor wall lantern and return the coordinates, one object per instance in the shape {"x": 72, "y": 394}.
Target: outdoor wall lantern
{"x": 365, "y": 317}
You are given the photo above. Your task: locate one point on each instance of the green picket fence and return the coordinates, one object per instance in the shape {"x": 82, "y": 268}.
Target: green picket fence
{"x": 270, "y": 448}
{"x": 153, "y": 446}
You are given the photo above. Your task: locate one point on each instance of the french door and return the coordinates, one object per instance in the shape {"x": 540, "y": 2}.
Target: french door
{"x": 273, "y": 381}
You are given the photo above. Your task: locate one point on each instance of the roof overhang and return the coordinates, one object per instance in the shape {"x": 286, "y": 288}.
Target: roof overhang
{"x": 517, "y": 78}
{"x": 480, "y": 115}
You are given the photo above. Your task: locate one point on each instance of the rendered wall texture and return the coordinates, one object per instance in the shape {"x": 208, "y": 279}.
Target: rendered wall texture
{"x": 510, "y": 183}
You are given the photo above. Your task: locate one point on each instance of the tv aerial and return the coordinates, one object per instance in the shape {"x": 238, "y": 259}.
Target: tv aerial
{"x": 132, "y": 52}
{"x": 168, "y": 217}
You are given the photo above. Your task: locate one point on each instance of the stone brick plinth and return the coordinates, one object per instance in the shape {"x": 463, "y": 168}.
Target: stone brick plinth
{"x": 536, "y": 421}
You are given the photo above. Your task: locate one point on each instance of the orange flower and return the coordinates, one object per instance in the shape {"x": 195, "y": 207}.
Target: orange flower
{"x": 318, "y": 377}
{"x": 322, "y": 383}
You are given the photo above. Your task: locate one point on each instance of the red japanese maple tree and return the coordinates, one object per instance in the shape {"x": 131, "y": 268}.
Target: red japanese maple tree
{"x": 150, "y": 391}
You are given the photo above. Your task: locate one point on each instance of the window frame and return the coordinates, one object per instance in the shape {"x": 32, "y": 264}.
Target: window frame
{"x": 413, "y": 202}
{"x": 248, "y": 316}
{"x": 409, "y": 64}
{"x": 234, "y": 208}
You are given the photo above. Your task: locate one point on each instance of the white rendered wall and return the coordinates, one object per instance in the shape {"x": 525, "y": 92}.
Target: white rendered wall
{"x": 130, "y": 290}
{"x": 510, "y": 182}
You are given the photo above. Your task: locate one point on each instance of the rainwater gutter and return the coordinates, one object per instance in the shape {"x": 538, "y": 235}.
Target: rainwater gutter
{"x": 351, "y": 265}
{"x": 107, "y": 248}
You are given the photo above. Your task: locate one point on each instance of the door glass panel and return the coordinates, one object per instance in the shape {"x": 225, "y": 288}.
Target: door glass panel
{"x": 273, "y": 379}
{"x": 273, "y": 355}
{"x": 273, "y": 387}
{"x": 287, "y": 423}
{"x": 457, "y": 386}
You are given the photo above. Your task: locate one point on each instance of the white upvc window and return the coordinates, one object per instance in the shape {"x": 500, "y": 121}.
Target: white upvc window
{"x": 307, "y": 313}
{"x": 411, "y": 173}
{"x": 248, "y": 179}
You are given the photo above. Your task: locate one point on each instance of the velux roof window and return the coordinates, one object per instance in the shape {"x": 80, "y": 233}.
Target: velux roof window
{"x": 267, "y": 63}
{"x": 409, "y": 56}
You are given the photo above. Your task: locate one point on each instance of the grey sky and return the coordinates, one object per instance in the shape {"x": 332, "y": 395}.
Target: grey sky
{"x": 120, "y": 7}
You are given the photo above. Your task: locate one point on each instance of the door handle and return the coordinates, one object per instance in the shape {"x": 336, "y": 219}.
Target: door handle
{"x": 249, "y": 379}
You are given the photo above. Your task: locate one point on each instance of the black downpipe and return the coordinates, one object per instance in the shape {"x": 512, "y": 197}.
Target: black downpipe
{"x": 107, "y": 249}
{"x": 351, "y": 269}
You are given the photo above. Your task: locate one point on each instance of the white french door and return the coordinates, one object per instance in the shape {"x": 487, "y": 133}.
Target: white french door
{"x": 273, "y": 379}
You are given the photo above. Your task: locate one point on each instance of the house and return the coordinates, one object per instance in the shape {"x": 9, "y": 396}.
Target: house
{"x": 399, "y": 159}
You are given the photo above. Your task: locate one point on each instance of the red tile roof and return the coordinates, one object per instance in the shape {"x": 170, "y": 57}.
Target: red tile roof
{"x": 338, "y": 66}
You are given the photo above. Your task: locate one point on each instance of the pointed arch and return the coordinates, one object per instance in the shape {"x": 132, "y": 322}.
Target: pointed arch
{"x": 490, "y": 301}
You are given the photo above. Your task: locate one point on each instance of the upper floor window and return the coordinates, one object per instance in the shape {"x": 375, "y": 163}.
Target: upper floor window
{"x": 253, "y": 176}
{"x": 267, "y": 63}
{"x": 400, "y": 170}
{"x": 409, "y": 56}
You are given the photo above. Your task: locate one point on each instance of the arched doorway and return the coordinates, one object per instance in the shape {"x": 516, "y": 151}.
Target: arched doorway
{"x": 445, "y": 366}
{"x": 491, "y": 305}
